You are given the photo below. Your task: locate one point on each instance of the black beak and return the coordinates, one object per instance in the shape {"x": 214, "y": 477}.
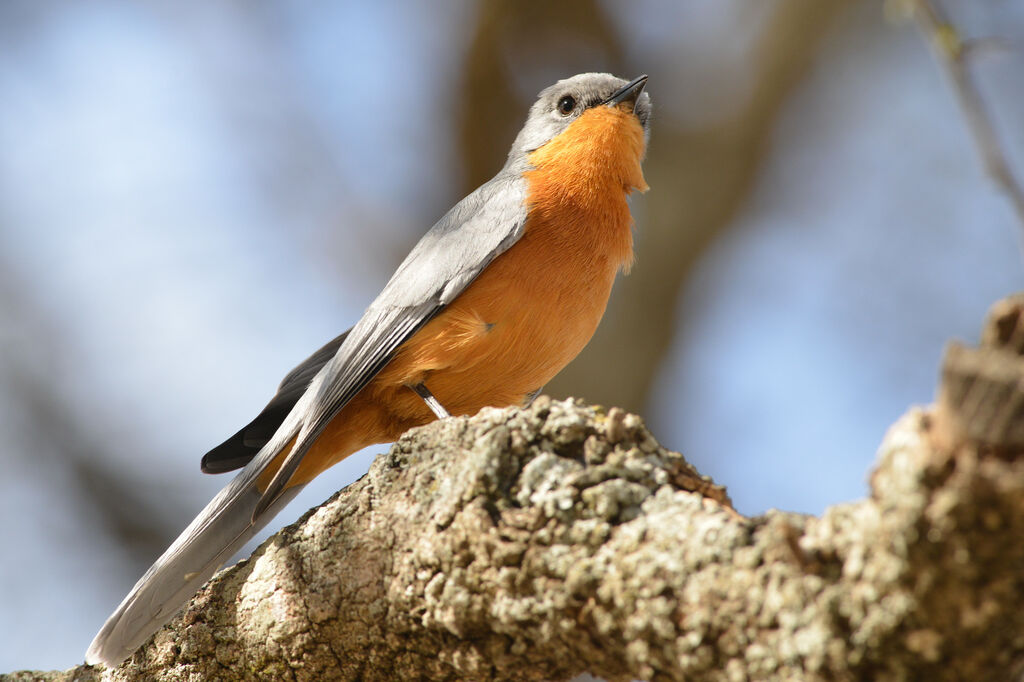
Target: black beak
{"x": 630, "y": 92}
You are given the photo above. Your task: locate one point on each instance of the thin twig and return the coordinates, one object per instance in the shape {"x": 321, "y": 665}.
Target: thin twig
{"x": 953, "y": 53}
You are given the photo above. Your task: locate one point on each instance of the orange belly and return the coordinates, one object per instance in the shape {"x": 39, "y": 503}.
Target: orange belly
{"x": 530, "y": 312}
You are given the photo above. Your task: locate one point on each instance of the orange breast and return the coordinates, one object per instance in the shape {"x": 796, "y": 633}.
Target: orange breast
{"x": 531, "y": 311}
{"x": 537, "y": 305}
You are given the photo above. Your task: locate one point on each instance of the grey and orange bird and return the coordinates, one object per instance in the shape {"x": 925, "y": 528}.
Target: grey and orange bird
{"x": 494, "y": 300}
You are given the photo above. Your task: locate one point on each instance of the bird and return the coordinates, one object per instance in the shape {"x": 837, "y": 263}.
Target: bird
{"x": 492, "y": 302}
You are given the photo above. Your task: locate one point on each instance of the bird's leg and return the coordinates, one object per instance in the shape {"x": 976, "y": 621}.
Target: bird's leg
{"x": 432, "y": 402}
{"x": 531, "y": 396}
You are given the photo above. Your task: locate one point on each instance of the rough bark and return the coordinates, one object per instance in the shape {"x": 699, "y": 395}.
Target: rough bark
{"x": 541, "y": 543}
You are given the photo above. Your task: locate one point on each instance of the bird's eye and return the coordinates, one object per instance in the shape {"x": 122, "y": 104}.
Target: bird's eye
{"x": 566, "y": 105}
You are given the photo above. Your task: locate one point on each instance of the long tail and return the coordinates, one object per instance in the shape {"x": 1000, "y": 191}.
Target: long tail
{"x": 211, "y": 539}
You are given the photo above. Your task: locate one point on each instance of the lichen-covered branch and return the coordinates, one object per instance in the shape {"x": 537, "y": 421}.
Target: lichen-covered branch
{"x": 537, "y": 544}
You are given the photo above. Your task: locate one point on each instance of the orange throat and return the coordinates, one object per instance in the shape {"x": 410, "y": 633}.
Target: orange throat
{"x": 581, "y": 178}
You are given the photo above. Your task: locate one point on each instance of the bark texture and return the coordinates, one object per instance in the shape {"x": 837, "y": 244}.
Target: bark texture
{"x": 538, "y": 544}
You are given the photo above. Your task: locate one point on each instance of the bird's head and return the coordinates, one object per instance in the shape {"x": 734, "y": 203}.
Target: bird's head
{"x": 577, "y": 99}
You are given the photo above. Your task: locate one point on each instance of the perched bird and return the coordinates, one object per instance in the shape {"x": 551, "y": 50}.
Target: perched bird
{"x": 494, "y": 300}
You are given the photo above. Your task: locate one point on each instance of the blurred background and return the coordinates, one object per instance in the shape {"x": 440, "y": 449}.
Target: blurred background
{"x": 193, "y": 198}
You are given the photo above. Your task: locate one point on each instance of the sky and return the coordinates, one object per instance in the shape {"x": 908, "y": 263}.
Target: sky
{"x": 191, "y": 201}
{"x": 872, "y": 239}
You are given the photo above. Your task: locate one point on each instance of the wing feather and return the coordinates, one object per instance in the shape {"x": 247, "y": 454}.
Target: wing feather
{"x": 443, "y": 263}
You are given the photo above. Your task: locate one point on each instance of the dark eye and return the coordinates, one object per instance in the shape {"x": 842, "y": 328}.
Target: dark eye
{"x": 566, "y": 105}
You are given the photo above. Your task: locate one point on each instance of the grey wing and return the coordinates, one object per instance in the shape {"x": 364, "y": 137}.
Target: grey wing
{"x": 453, "y": 253}
{"x": 243, "y": 446}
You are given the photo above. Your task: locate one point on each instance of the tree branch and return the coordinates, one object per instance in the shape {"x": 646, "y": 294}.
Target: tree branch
{"x": 537, "y": 544}
{"x": 953, "y": 54}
